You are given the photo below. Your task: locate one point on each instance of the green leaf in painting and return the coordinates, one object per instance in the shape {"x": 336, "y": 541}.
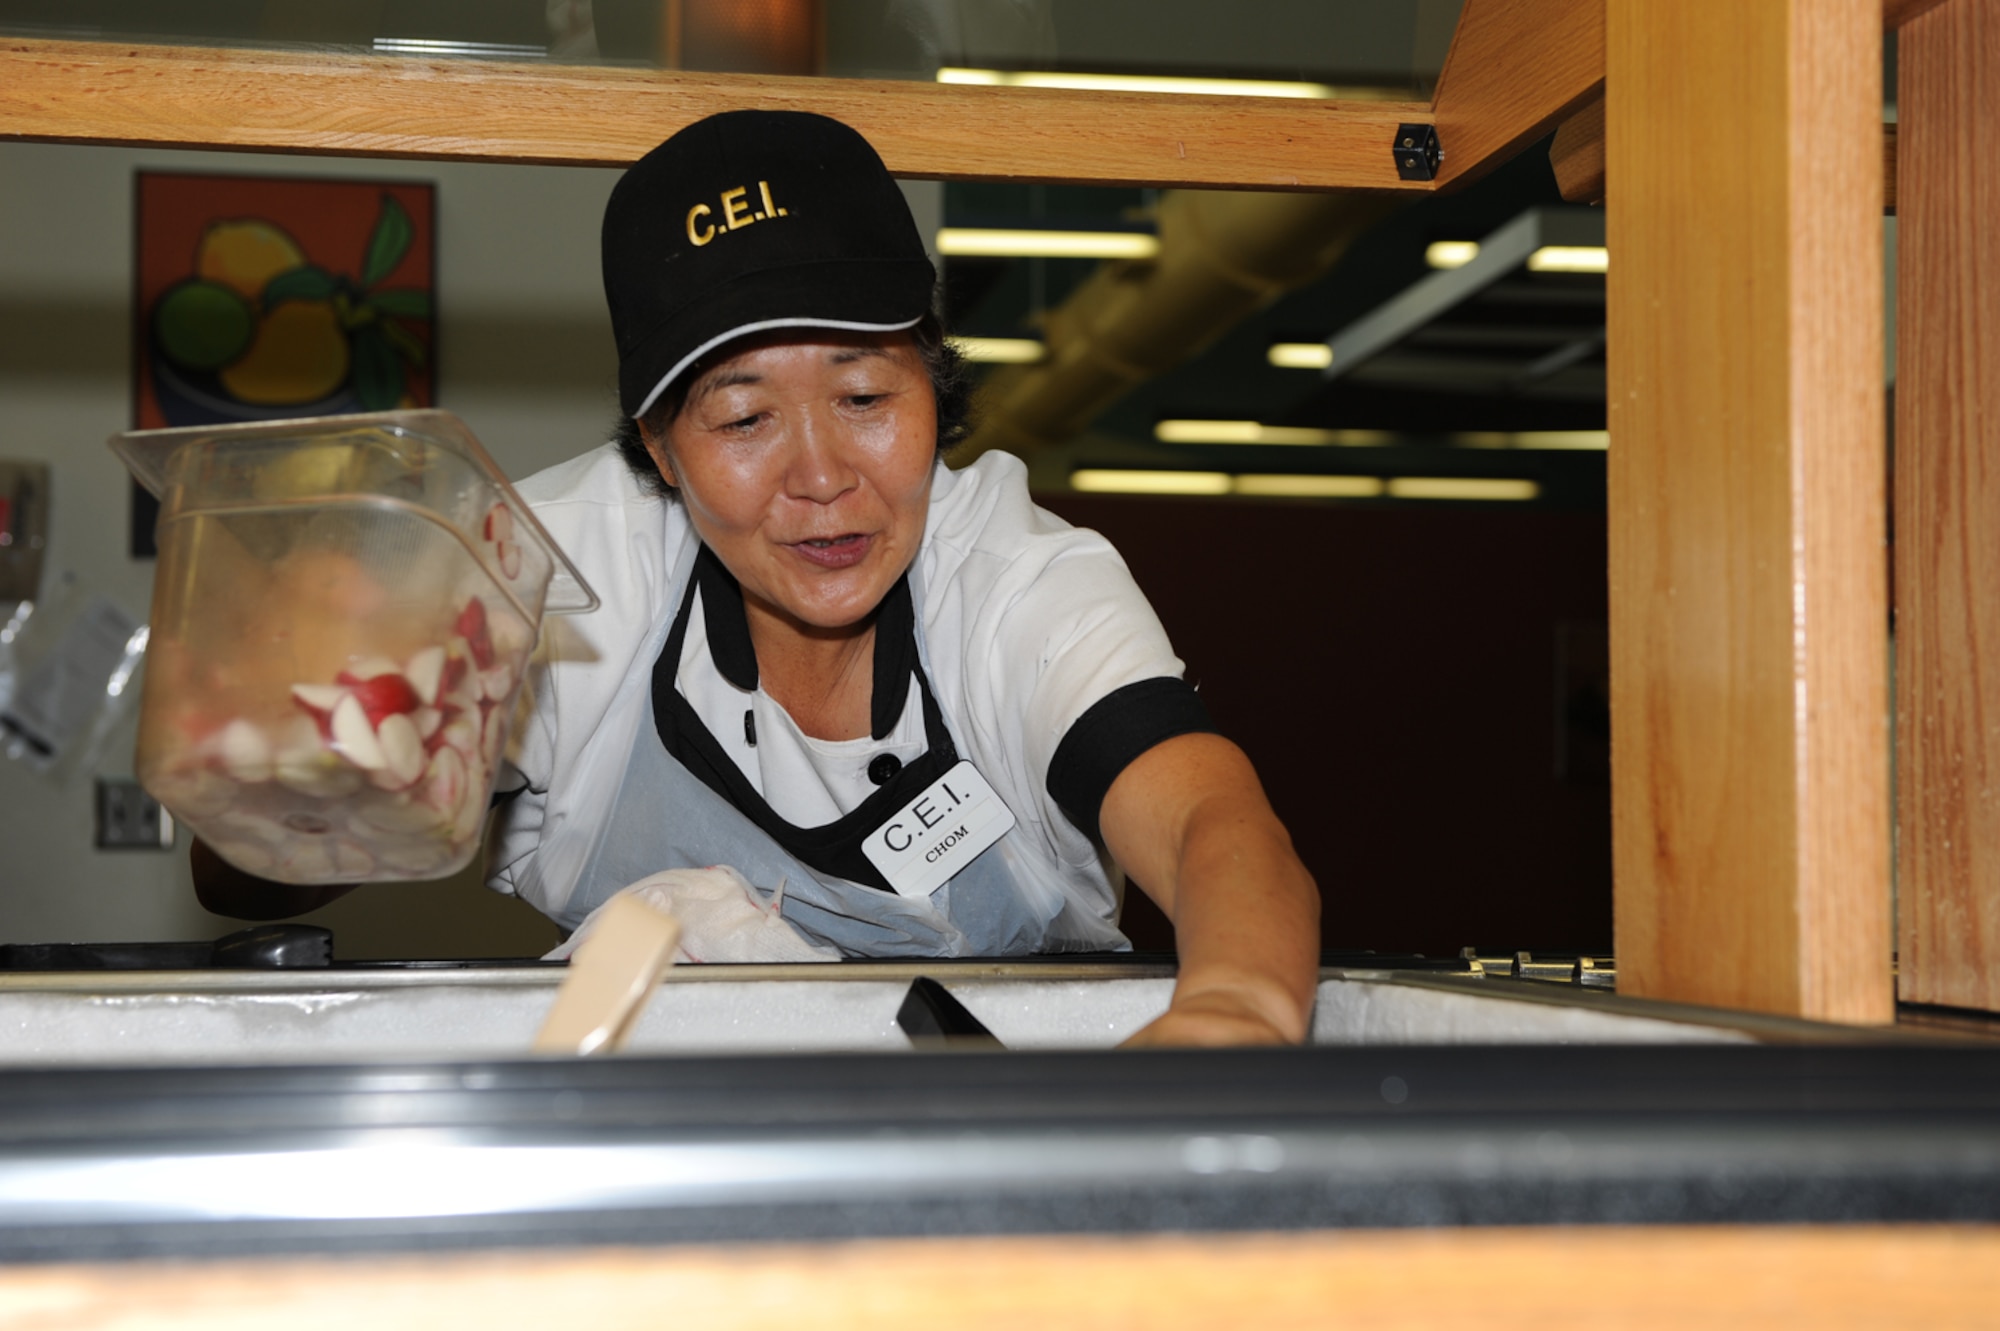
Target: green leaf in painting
{"x": 406, "y": 343}
{"x": 378, "y": 371}
{"x": 403, "y": 304}
{"x": 388, "y": 244}
{"x": 302, "y": 283}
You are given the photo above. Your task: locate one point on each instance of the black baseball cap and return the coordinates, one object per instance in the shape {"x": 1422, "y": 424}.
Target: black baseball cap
{"x": 747, "y": 221}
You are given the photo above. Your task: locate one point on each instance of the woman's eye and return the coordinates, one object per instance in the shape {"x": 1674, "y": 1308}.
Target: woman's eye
{"x": 864, "y": 399}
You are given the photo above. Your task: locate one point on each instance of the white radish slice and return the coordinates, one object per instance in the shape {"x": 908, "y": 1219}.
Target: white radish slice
{"x": 461, "y": 733}
{"x": 351, "y": 860}
{"x": 378, "y": 814}
{"x": 444, "y": 785}
{"x": 246, "y": 753}
{"x": 499, "y": 523}
{"x": 193, "y": 792}
{"x": 493, "y": 736}
{"x": 247, "y": 856}
{"x": 355, "y": 739}
{"x": 403, "y": 748}
{"x": 307, "y": 860}
{"x": 427, "y": 720}
{"x": 239, "y": 827}
{"x": 425, "y": 673}
{"x": 318, "y": 697}
{"x": 495, "y": 683}
{"x": 509, "y": 553}
{"x": 320, "y": 776}
{"x": 427, "y": 859}
{"x": 370, "y": 666}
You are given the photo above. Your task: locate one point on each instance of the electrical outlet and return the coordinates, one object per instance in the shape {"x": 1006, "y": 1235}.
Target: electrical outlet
{"x": 130, "y": 819}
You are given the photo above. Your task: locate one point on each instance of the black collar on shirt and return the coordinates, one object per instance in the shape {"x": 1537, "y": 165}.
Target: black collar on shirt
{"x": 834, "y": 848}
{"x": 729, "y": 640}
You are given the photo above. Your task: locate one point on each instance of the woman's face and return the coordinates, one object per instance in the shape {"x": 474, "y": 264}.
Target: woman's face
{"x": 805, "y": 463}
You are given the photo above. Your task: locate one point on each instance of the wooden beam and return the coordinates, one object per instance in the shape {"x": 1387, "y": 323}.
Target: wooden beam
{"x": 1895, "y": 13}
{"x": 369, "y": 106}
{"x": 1749, "y": 617}
{"x": 1577, "y": 154}
{"x": 1715, "y": 1277}
{"x": 1948, "y": 508}
{"x": 1516, "y": 70}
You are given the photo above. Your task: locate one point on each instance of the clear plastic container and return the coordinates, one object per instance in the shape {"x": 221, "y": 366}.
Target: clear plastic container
{"x": 342, "y": 613}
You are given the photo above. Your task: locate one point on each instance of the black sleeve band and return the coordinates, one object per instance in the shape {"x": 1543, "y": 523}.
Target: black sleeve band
{"x": 1118, "y": 728}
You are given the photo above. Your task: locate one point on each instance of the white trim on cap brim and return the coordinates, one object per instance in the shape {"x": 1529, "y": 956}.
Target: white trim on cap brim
{"x": 759, "y": 327}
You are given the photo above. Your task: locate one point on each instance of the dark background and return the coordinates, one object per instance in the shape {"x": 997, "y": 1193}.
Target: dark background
{"x": 1422, "y": 691}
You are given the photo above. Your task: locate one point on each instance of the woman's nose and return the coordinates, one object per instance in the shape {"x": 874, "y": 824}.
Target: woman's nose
{"x": 819, "y": 470}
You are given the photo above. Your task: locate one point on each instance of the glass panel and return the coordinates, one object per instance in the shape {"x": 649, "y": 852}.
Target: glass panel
{"x": 1354, "y": 48}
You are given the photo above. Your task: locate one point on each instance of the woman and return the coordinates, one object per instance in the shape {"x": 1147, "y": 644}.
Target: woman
{"x": 916, "y": 708}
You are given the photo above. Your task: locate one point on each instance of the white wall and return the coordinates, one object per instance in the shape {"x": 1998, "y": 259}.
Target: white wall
{"x": 525, "y": 357}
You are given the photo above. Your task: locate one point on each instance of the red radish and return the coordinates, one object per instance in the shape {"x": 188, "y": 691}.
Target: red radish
{"x": 471, "y": 626}
{"x": 355, "y": 738}
{"x": 383, "y": 696}
{"x": 460, "y": 733}
{"x": 426, "y": 674}
{"x": 457, "y": 665}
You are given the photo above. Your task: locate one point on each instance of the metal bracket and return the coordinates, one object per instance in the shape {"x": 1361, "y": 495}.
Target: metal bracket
{"x": 1417, "y": 152}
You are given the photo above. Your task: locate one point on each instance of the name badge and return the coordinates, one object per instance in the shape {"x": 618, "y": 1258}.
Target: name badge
{"x": 939, "y": 832}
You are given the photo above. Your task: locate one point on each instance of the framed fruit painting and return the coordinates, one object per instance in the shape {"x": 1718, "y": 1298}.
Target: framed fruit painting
{"x": 267, "y": 298}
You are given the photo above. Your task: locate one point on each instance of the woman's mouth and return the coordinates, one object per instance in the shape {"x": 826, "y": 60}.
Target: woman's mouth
{"x": 842, "y": 551}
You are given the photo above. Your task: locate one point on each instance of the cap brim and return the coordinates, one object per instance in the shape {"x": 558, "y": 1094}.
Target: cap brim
{"x": 872, "y": 296}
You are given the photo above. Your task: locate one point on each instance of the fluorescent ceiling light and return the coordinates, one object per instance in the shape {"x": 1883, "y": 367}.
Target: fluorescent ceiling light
{"x": 1311, "y": 487}
{"x": 1000, "y": 350}
{"x": 1256, "y": 432}
{"x": 1460, "y": 487}
{"x": 1300, "y": 355}
{"x": 1150, "y": 482}
{"x": 1569, "y": 259}
{"x": 1451, "y": 253}
{"x": 1547, "y": 259}
{"x": 1026, "y": 78}
{"x": 993, "y": 242}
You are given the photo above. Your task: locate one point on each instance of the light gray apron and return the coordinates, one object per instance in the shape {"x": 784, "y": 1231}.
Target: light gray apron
{"x": 662, "y": 816}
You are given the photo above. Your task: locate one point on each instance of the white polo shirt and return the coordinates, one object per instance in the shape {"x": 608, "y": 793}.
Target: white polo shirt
{"x": 1029, "y": 625}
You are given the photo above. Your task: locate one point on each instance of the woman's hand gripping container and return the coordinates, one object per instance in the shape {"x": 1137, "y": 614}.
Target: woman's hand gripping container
{"x": 342, "y": 614}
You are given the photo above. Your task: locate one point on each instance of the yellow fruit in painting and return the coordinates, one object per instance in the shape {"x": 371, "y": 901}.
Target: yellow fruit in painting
{"x": 245, "y": 254}
{"x": 300, "y": 355}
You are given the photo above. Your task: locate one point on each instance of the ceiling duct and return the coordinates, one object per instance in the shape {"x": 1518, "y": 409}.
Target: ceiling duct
{"x": 1222, "y": 256}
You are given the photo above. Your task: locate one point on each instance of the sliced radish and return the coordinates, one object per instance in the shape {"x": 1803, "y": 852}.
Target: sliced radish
{"x": 383, "y": 696}
{"x": 461, "y": 733}
{"x": 247, "y": 856}
{"x": 306, "y": 860}
{"x": 355, "y": 739}
{"x": 351, "y": 860}
{"x": 471, "y": 626}
{"x": 318, "y": 697}
{"x": 246, "y": 753}
{"x": 509, "y": 553}
{"x": 403, "y": 748}
{"x": 367, "y": 668}
{"x": 492, "y": 736}
{"x": 496, "y": 683}
{"x": 193, "y": 792}
{"x": 444, "y": 786}
{"x": 499, "y": 523}
{"x": 427, "y": 720}
{"x": 426, "y": 673}
{"x": 376, "y": 814}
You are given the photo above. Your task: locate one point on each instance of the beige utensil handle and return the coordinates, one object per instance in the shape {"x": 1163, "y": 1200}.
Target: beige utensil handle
{"x": 611, "y": 976}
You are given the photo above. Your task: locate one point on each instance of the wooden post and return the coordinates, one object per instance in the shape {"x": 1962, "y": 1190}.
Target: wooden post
{"x": 1948, "y": 506}
{"x": 1749, "y": 620}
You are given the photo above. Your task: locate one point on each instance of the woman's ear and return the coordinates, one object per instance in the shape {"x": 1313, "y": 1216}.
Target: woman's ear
{"x": 656, "y": 447}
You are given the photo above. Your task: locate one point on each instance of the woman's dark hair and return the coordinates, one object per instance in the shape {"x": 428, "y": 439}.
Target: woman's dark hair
{"x": 951, "y": 384}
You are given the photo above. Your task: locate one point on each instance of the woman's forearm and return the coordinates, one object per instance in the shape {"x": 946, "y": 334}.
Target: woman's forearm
{"x": 1190, "y": 822}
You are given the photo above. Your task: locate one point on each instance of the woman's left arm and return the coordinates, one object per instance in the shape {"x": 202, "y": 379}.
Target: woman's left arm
{"x": 1189, "y": 821}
